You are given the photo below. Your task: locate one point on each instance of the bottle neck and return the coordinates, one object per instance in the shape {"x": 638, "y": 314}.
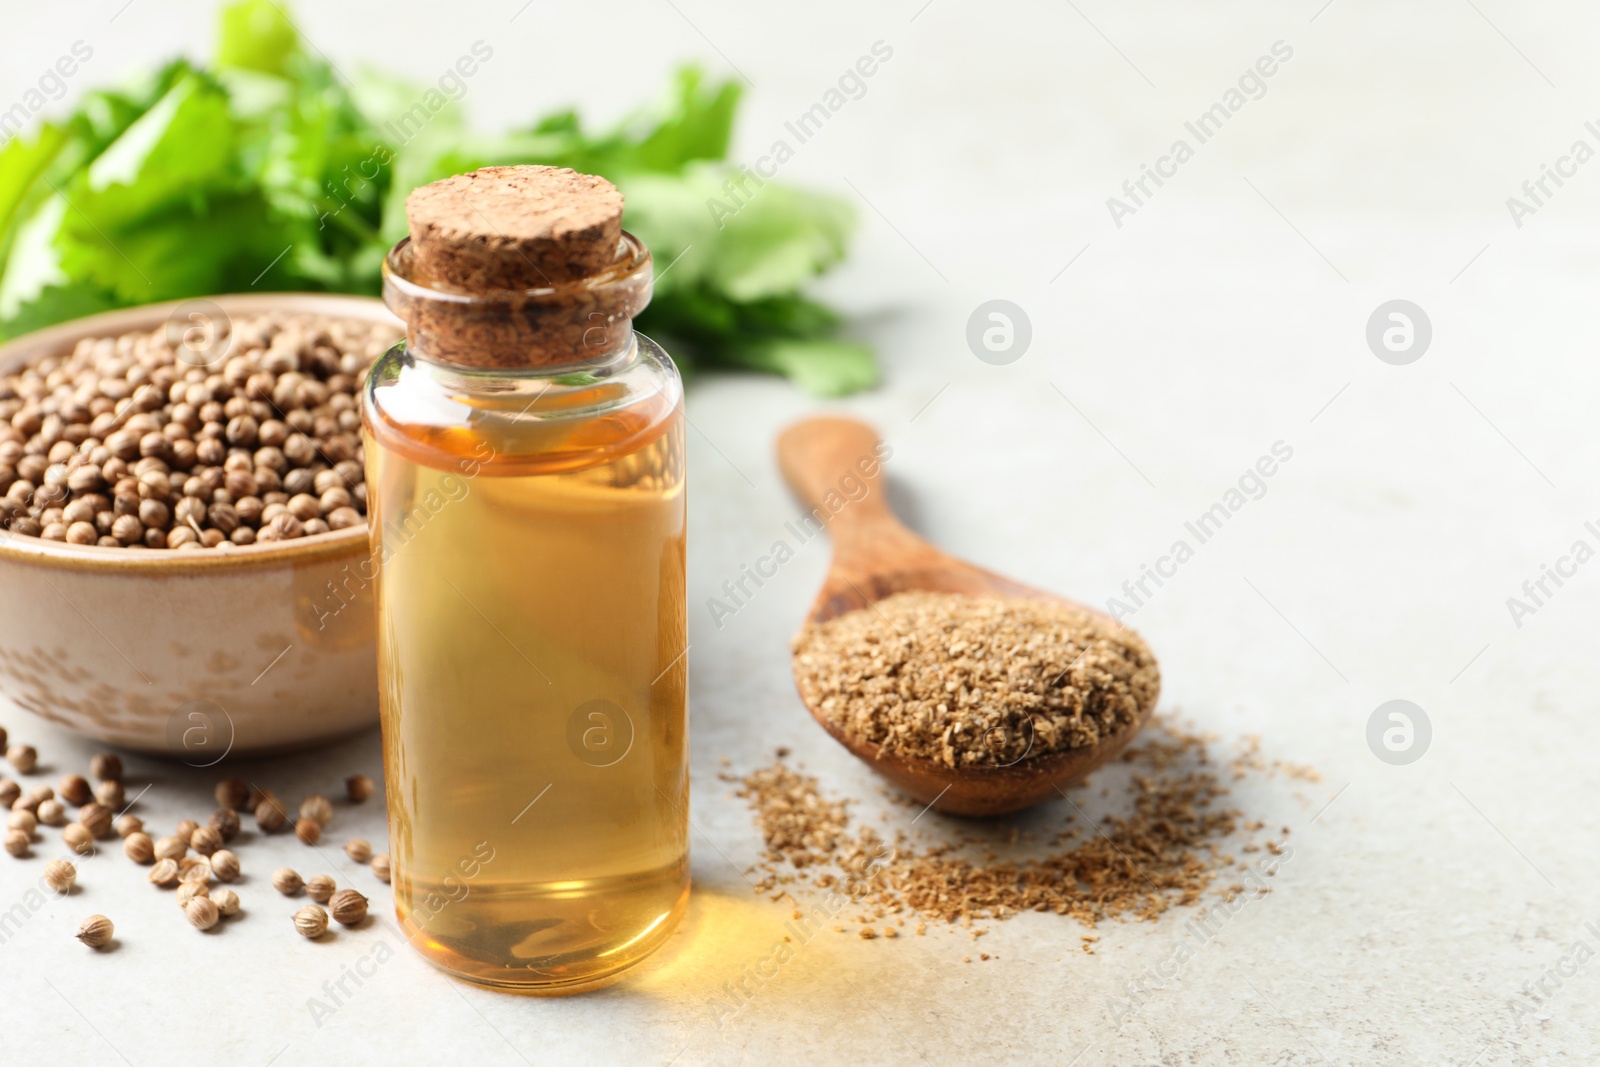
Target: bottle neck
{"x": 574, "y": 328}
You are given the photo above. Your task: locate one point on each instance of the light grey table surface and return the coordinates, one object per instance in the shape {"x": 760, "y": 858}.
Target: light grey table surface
{"x": 1433, "y": 912}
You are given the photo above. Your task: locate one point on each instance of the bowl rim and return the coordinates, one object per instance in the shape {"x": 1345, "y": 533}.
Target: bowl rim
{"x": 52, "y": 340}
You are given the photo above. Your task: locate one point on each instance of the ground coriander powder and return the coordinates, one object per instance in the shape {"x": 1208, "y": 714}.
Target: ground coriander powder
{"x": 968, "y": 681}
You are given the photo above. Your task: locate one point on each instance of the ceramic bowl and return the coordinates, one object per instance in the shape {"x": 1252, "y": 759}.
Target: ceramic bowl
{"x": 254, "y": 649}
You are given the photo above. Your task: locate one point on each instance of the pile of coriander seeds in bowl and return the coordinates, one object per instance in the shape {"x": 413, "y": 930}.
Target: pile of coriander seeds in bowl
{"x": 147, "y": 439}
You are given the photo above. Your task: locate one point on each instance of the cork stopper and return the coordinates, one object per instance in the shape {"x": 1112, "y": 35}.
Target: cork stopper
{"x": 514, "y": 227}
{"x": 518, "y": 267}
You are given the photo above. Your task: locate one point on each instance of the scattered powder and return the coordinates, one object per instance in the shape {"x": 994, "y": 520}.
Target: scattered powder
{"x": 1165, "y": 852}
{"x": 967, "y": 680}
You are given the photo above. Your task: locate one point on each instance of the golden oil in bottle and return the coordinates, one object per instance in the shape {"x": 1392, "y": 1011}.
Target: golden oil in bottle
{"x": 528, "y": 526}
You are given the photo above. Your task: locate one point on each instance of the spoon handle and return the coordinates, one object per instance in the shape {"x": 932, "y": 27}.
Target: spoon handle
{"x": 835, "y": 466}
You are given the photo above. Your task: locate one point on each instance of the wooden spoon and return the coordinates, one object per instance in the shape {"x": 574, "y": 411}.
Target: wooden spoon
{"x": 834, "y": 467}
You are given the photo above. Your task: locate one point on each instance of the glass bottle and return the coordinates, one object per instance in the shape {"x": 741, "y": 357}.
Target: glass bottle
{"x": 525, "y": 457}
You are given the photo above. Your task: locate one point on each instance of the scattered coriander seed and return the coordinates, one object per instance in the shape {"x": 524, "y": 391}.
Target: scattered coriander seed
{"x": 107, "y": 767}
{"x": 95, "y": 818}
{"x": 52, "y": 812}
{"x": 359, "y": 788}
{"x": 309, "y": 831}
{"x": 60, "y": 875}
{"x": 311, "y": 921}
{"x": 380, "y": 866}
{"x": 287, "y": 881}
{"x": 270, "y": 816}
{"x": 164, "y": 874}
{"x": 225, "y": 821}
{"x": 127, "y": 825}
{"x": 227, "y": 902}
{"x": 316, "y": 806}
{"x": 26, "y": 802}
{"x": 78, "y": 839}
{"x": 9, "y": 792}
{"x": 96, "y": 931}
{"x": 319, "y": 887}
{"x": 110, "y": 794}
{"x": 225, "y": 865}
{"x": 17, "y": 843}
{"x": 185, "y": 830}
{"x": 138, "y": 847}
{"x": 198, "y": 872}
{"x": 25, "y": 821}
{"x": 38, "y": 795}
{"x": 202, "y": 912}
{"x": 23, "y": 757}
{"x": 358, "y": 849}
{"x": 205, "y": 840}
{"x": 186, "y": 862}
{"x": 170, "y": 848}
{"x": 187, "y": 891}
{"x": 348, "y": 907}
{"x": 75, "y": 789}
{"x": 232, "y": 792}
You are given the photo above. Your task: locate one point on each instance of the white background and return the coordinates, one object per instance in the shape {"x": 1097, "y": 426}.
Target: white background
{"x": 1227, "y": 314}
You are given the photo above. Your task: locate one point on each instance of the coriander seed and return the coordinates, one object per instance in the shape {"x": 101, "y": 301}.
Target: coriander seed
{"x": 232, "y": 792}
{"x": 138, "y": 847}
{"x": 24, "y": 821}
{"x": 107, "y": 767}
{"x": 199, "y": 872}
{"x": 95, "y": 818}
{"x": 225, "y": 865}
{"x": 270, "y": 816}
{"x": 380, "y": 866}
{"x": 96, "y": 931}
{"x": 164, "y": 874}
{"x": 319, "y": 887}
{"x": 9, "y": 792}
{"x": 75, "y": 789}
{"x": 227, "y": 902}
{"x": 127, "y": 825}
{"x": 311, "y": 921}
{"x": 358, "y": 849}
{"x": 52, "y": 812}
{"x": 205, "y": 840}
{"x": 170, "y": 848}
{"x": 60, "y": 875}
{"x": 109, "y": 794}
{"x": 202, "y": 913}
{"x": 359, "y": 787}
{"x": 287, "y": 881}
{"x": 23, "y": 757}
{"x": 317, "y": 807}
{"x": 78, "y": 839}
{"x": 185, "y": 830}
{"x": 17, "y": 843}
{"x": 187, "y": 891}
{"x": 225, "y": 821}
{"x": 309, "y": 831}
{"x": 348, "y": 907}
